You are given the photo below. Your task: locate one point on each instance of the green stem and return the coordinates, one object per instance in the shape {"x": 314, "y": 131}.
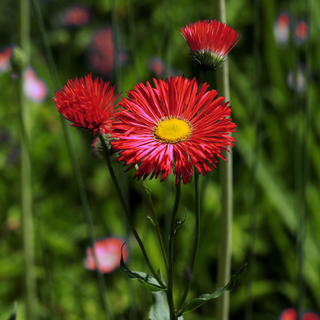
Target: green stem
{"x": 256, "y": 111}
{"x": 224, "y": 258}
{"x": 26, "y": 174}
{"x": 155, "y": 219}
{"x": 201, "y": 78}
{"x": 224, "y": 262}
{"x": 133, "y": 39}
{"x": 115, "y": 29}
{"x": 75, "y": 166}
{"x": 171, "y": 253}
{"x": 165, "y": 40}
{"x": 303, "y": 215}
{"x": 196, "y": 240}
{"x": 126, "y": 210}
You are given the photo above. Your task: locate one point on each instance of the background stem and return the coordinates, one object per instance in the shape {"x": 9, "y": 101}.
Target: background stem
{"x": 26, "y": 173}
{"x": 256, "y": 115}
{"x": 225, "y": 168}
{"x": 75, "y": 166}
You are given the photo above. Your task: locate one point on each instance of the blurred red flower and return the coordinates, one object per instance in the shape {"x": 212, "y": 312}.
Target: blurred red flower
{"x": 291, "y": 314}
{"x": 5, "y": 56}
{"x": 75, "y": 16}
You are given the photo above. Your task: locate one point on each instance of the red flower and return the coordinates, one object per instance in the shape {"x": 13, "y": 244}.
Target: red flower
{"x": 210, "y": 42}
{"x": 5, "y": 56}
{"x": 87, "y": 103}
{"x": 172, "y": 125}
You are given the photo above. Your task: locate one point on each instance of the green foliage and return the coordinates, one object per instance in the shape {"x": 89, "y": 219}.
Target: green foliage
{"x": 146, "y": 280}
{"x": 159, "y": 309}
{"x": 197, "y": 302}
{"x": 66, "y": 290}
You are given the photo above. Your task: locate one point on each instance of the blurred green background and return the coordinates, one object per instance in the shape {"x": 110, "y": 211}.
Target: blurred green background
{"x": 276, "y": 164}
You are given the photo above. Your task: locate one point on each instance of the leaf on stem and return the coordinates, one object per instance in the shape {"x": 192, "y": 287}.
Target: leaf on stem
{"x": 150, "y": 219}
{"x": 197, "y": 302}
{"x": 160, "y": 309}
{"x": 148, "y": 281}
{"x": 179, "y": 223}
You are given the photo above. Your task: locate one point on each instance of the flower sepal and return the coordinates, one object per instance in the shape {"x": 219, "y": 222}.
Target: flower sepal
{"x": 97, "y": 149}
{"x": 206, "y": 60}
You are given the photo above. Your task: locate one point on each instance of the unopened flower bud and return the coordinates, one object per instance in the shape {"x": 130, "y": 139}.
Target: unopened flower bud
{"x": 210, "y": 42}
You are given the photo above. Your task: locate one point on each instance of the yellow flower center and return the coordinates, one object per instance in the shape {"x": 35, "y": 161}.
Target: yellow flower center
{"x": 172, "y": 130}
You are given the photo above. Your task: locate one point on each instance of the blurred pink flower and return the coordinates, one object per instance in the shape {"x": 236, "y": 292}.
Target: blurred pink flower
{"x": 107, "y": 252}
{"x": 34, "y": 88}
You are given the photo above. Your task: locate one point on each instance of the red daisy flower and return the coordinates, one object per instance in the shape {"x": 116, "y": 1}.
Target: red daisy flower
{"x": 172, "y": 125}
{"x": 89, "y": 104}
{"x": 210, "y": 42}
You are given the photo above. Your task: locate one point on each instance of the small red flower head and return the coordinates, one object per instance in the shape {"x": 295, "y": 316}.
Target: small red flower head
{"x": 89, "y": 104}
{"x": 172, "y": 126}
{"x": 210, "y": 42}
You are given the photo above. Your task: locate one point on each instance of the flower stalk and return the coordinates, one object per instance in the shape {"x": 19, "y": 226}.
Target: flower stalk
{"x": 196, "y": 240}
{"x": 26, "y": 174}
{"x": 201, "y": 78}
{"x": 75, "y": 166}
{"x": 155, "y": 220}
{"x": 171, "y": 252}
{"x": 126, "y": 211}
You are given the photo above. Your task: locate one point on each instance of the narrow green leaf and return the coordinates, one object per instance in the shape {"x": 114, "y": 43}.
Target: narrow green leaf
{"x": 148, "y": 281}
{"x": 150, "y": 219}
{"x": 160, "y": 309}
{"x": 197, "y": 302}
{"x": 179, "y": 223}
{"x": 14, "y": 312}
